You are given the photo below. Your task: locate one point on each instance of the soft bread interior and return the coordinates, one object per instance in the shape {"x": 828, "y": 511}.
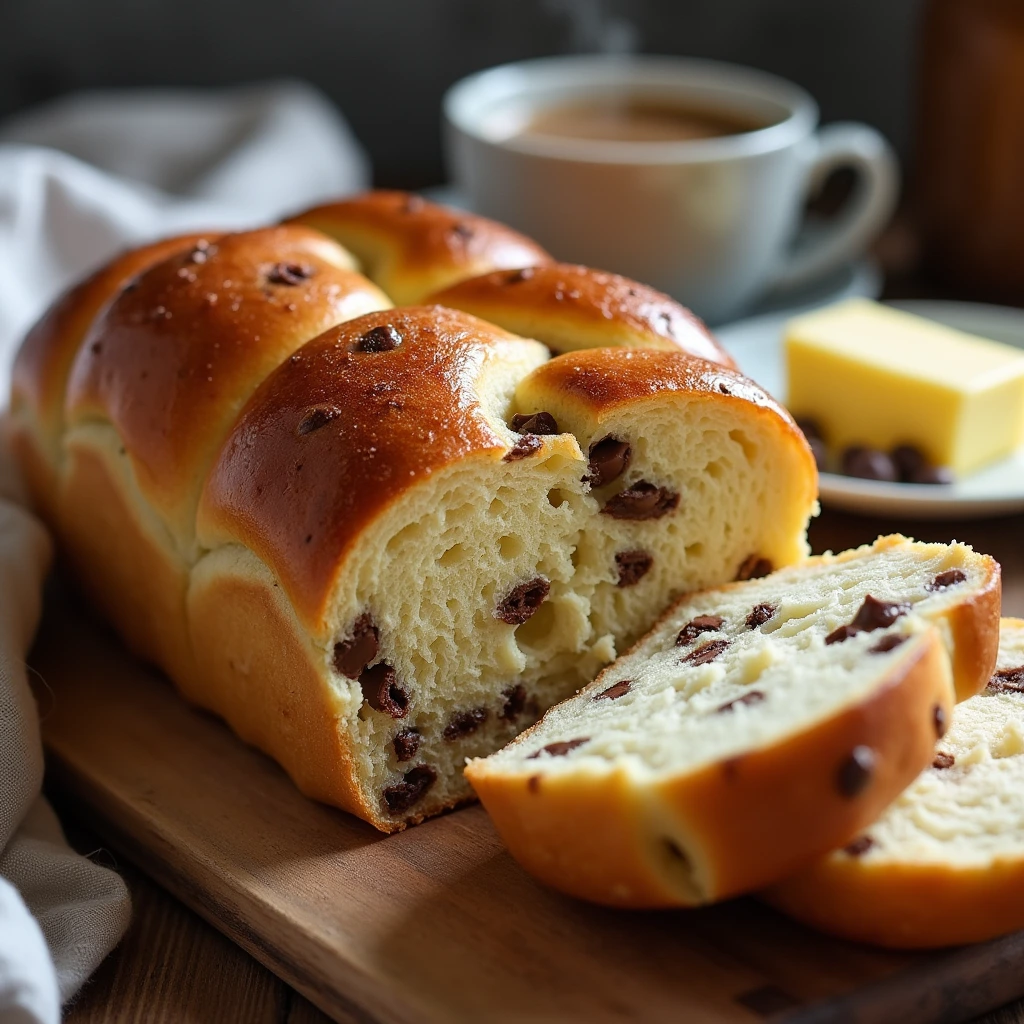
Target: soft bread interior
{"x": 967, "y": 810}
{"x": 768, "y": 680}
{"x": 433, "y": 572}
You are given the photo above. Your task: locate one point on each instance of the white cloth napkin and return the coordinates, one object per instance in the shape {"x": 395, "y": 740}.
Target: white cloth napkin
{"x": 79, "y": 180}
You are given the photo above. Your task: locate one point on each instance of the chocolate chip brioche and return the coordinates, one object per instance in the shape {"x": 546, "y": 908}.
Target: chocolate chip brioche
{"x": 758, "y": 725}
{"x": 379, "y": 540}
{"x": 945, "y": 864}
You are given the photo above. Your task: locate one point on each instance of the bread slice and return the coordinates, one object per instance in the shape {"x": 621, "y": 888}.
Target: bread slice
{"x": 757, "y": 726}
{"x": 945, "y": 864}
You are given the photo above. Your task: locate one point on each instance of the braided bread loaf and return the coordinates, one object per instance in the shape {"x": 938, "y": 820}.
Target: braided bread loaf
{"x": 378, "y": 541}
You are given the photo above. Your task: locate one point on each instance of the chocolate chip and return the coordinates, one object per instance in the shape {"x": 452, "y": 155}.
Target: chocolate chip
{"x": 810, "y": 428}
{"x": 942, "y": 761}
{"x": 382, "y": 692}
{"x": 908, "y": 461}
{"x": 641, "y": 501}
{"x": 949, "y": 578}
{"x": 534, "y": 423}
{"x": 615, "y": 691}
{"x": 855, "y": 772}
{"x": 759, "y": 615}
{"x": 515, "y": 703}
{"x": 383, "y": 338}
{"x": 523, "y": 601}
{"x": 1007, "y": 680}
{"x": 407, "y": 742}
{"x": 414, "y": 784}
{"x": 524, "y": 274}
{"x": 934, "y": 475}
{"x": 754, "y": 567}
{"x": 874, "y": 614}
{"x": 750, "y": 697}
{"x": 609, "y": 459}
{"x": 859, "y": 846}
{"x": 887, "y": 643}
{"x": 351, "y": 656}
{"x": 841, "y": 633}
{"x": 868, "y": 464}
{"x": 289, "y": 273}
{"x": 317, "y": 417}
{"x": 561, "y": 748}
{"x": 696, "y": 626}
{"x": 524, "y": 447}
{"x": 463, "y": 723}
{"x": 633, "y": 566}
{"x": 706, "y": 654}
{"x": 939, "y": 718}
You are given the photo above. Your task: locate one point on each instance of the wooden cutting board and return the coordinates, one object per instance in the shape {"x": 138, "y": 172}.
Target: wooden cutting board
{"x": 437, "y": 923}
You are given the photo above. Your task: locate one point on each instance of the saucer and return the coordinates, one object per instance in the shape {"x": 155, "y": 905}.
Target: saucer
{"x": 756, "y": 344}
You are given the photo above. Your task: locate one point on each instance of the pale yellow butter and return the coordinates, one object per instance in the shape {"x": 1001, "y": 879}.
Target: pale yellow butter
{"x": 869, "y": 374}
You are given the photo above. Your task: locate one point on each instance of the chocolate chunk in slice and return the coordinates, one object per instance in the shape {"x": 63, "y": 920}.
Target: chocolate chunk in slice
{"x": 632, "y": 566}
{"x": 859, "y": 846}
{"x": 841, "y": 633}
{"x": 943, "y": 761}
{"x": 696, "y": 626}
{"x": 561, "y": 748}
{"x": 759, "y": 615}
{"x": 289, "y": 273}
{"x": 855, "y": 772}
{"x": 874, "y": 614}
{"x": 515, "y": 702}
{"x": 750, "y": 697}
{"x": 351, "y": 656}
{"x": 534, "y": 423}
{"x": 316, "y": 417}
{"x": 949, "y": 578}
{"x": 382, "y": 692}
{"x": 615, "y": 691}
{"x": 524, "y": 447}
{"x": 411, "y": 789}
{"x": 1007, "y": 680}
{"x": 707, "y": 653}
{"x": 463, "y": 723}
{"x": 887, "y": 643}
{"x": 641, "y": 501}
{"x": 406, "y": 743}
{"x": 609, "y": 459}
{"x": 754, "y": 567}
{"x": 384, "y": 338}
{"x": 522, "y": 602}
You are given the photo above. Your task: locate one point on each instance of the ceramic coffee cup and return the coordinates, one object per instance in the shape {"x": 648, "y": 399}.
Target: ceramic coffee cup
{"x": 715, "y": 222}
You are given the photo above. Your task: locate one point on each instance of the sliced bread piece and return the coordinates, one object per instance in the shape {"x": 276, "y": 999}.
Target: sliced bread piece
{"x": 757, "y": 726}
{"x": 945, "y": 864}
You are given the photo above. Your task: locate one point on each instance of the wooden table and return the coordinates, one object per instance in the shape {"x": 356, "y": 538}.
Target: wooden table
{"x": 173, "y": 967}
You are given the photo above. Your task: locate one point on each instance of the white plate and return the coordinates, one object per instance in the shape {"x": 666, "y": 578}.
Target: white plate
{"x": 756, "y": 344}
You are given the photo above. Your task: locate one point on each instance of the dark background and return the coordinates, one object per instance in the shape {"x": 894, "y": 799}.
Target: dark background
{"x": 386, "y": 63}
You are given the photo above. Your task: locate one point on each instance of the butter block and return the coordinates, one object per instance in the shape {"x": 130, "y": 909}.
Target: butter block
{"x": 877, "y": 376}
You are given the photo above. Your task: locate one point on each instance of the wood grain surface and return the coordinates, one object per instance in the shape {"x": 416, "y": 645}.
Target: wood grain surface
{"x": 436, "y": 923}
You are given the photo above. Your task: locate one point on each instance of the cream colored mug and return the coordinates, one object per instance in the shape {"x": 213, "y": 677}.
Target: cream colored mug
{"x": 716, "y": 222}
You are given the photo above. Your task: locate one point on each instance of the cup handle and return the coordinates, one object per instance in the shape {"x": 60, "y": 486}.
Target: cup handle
{"x": 816, "y": 252}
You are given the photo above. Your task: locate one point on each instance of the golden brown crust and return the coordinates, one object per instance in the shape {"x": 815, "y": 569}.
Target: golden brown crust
{"x": 172, "y": 360}
{"x": 40, "y": 371}
{"x": 748, "y": 820}
{"x": 337, "y": 434}
{"x": 412, "y": 247}
{"x": 570, "y": 307}
{"x": 974, "y": 629}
